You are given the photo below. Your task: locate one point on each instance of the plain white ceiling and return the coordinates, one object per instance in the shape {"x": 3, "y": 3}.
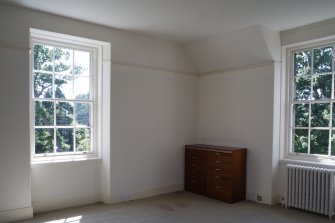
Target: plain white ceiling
{"x": 185, "y": 21}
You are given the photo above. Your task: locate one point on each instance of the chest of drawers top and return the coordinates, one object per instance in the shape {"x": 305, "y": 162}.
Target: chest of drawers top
{"x": 224, "y": 149}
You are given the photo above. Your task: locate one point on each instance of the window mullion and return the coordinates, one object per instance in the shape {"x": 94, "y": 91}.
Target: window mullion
{"x": 309, "y": 127}
{"x": 331, "y": 109}
{"x": 54, "y": 96}
{"x": 330, "y": 129}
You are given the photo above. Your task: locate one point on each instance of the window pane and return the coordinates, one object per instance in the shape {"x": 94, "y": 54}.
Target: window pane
{"x": 64, "y": 113}
{"x": 322, "y": 87}
{"x": 43, "y": 57}
{"x": 44, "y": 113}
{"x": 319, "y": 141}
{"x": 83, "y": 139}
{"x": 44, "y": 141}
{"x": 64, "y": 86}
{"x": 83, "y": 114}
{"x": 81, "y": 63}
{"x": 302, "y": 63}
{"x": 323, "y": 60}
{"x": 302, "y": 88}
{"x": 301, "y": 115}
{"x": 333, "y": 122}
{"x": 63, "y": 60}
{"x": 42, "y": 85}
{"x": 333, "y": 143}
{"x": 82, "y": 88}
{"x": 64, "y": 138}
{"x": 320, "y": 114}
{"x": 300, "y": 140}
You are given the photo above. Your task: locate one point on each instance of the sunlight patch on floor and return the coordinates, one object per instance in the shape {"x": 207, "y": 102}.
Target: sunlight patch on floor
{"x": 75, "y": 219}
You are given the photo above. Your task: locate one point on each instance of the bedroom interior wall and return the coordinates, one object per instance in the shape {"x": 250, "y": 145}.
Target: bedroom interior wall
{"x": 236, "y": 100}
{"x": 302, "y": 35}
{"x": 153, "y": 75}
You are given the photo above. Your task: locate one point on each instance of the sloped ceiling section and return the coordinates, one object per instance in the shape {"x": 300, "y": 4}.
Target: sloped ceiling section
{"x": 246, "y": 47}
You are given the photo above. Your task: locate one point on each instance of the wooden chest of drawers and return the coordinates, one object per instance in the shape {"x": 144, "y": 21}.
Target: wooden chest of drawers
{"x": 216, "y": 171}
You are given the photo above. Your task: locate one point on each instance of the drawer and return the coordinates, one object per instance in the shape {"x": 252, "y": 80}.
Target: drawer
{"x": 196, "y": 186}
{"x": 195, "y": 174}
{"x": 219, "y": 157}
{"x": 195, "y": 154}
{"x": 221, "y": 182}
{"x": 218, "y": 192}
{"x": 195, "y": 164}
{"x": 218, "y": 171}
{"x": 219, "y": 165}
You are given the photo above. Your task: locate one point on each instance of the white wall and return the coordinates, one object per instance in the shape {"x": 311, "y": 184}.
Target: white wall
{"x": 236, "y": 99}
{"x": 305, "y": 34}
{"x": 153, "y": 114}
{"x": 242, "y": 48}
{"x": 235, "y": 109}
{"x": 65, "y": 184}
{"x": 15, "y": 192}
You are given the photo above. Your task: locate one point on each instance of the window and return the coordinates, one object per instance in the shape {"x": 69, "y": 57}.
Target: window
{"x": 66, "y": 73}
{"x": 312, "y": 101}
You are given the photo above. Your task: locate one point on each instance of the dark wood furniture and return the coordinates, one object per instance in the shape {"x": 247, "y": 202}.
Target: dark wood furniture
{"x": 216, "y": 171}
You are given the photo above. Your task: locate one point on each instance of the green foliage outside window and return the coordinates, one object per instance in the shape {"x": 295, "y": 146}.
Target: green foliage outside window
{"x": 312, "y": 102}
{"x": 60, "y": 126}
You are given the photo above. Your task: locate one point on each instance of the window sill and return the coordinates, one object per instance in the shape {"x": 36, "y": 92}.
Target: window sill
{"x": 309, "y": 161}
{"x": 64, "y": 159}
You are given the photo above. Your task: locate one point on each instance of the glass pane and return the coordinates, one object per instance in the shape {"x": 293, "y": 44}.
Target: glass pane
{"x": 82, "y": 88}
{"x": 44, "y": 113}
{"x": 83, "y": 139}
{"x": 83, "y": 114}
{"x": 64, "y": 113}
{"x": 42, "y": 85}
{"x": 302, "y": 63}
{"x": 300, "y": 140}
{"x": 323, "y": 60}
{"x": 322, "y": 87}
{"x": 64, "y": 86}
{"x": 333, "y": 143}
{"x": 44, "y": 141}
{"x": 81, "y": 63}
{"x": 319, "y": 141}
{"x": 43, "y": 56}
{"x": 320, "y": 115}
{"x": 63, "y": 60}
{"x": 64, "y": 140}
{"x": 301, "y": 113}
{"x": 302, "y": 88}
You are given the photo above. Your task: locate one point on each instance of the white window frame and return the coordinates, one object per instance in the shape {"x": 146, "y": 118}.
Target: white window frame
{"x": 101, "y": 95}
{"x": 287, "y": 99}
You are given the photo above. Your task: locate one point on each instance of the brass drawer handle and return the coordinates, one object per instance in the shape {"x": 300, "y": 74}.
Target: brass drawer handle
{"x": 217, "y": 177}
{"x": 217, "y": 187}
{"x": 217, "y": 169}
{"x": 194, "y": 164}
{"x": 217, "y": 161}
{"x": 194, "y": 157}
{"x": 194, "y": 181}
{"x": 218, "y": 154}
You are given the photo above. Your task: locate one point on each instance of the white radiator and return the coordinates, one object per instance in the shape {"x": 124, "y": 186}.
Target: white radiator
{"x": 311, "y": 189}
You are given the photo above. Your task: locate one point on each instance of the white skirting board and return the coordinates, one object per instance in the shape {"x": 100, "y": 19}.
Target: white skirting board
{"x": 266, "y": 198}
{"x": 16, "y": 214}
{"x": 64, "y": 202}
{"x": 142, "y": 193}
